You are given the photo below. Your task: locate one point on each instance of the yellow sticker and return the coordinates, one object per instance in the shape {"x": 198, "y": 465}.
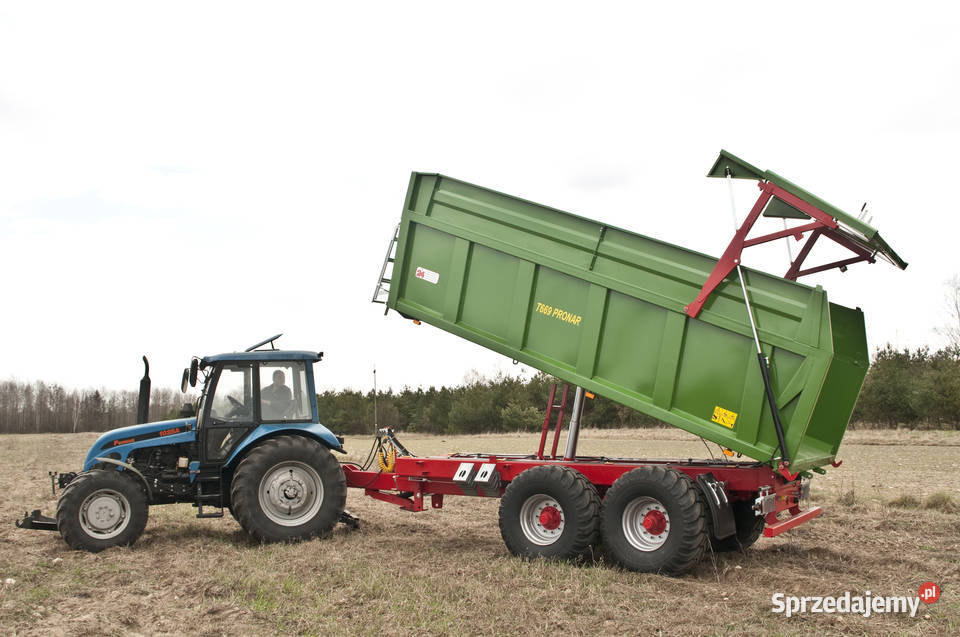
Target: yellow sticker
{"x": 724, "y": 417}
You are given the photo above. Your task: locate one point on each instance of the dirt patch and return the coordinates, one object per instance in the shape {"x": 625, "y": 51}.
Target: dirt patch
{"x": 447, "y": 571}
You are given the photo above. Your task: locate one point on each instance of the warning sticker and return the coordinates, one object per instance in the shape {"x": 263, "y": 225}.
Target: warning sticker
{"x": 724, "y": 417}
{"x": 427, "y": 275}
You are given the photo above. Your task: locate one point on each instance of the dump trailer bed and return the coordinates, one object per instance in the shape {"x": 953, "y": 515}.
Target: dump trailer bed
{"x": 610, "y": 310}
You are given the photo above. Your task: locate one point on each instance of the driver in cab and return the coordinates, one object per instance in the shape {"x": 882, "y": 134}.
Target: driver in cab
{"x": 276, "y": 398}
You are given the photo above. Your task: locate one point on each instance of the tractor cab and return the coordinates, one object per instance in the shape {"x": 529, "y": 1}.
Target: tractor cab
{"x": 251, "y": 393}
{"x": 245, "y": 390}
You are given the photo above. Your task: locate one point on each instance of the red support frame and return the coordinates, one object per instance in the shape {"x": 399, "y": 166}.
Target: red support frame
{"x": 414, "y": 478}
{"x": 821, "y": 224}
{"x": 546, "y": 421}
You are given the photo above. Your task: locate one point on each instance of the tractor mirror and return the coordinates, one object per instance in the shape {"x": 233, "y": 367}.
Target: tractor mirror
{"x": 186, "y": 379}
{"x": 194, "y": 365}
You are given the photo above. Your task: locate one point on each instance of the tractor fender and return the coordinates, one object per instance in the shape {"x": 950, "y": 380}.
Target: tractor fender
{"x": 129, "y": 467}
{"x": 315, "y": 431}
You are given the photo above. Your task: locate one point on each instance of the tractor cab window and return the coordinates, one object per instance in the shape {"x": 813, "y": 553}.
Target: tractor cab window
{"x": 230, "y": 414}
{"x": 284, "y": 394}
{"x": 233, "y": 395}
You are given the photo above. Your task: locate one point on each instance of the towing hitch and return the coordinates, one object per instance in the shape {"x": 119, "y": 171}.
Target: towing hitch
{"x": 37, "y": 522}
{"x": 346, "y": 518}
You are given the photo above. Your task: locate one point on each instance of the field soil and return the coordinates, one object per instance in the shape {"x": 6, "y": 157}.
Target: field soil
{"x": 447, "y": 571}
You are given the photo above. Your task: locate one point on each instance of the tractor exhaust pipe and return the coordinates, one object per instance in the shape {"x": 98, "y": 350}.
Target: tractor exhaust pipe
{"x": 143, "y": 400}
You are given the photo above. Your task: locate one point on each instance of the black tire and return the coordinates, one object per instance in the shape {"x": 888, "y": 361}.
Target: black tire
{"x": 667, "y": 500}
{"x": 102, "y": 508}
{"x": 550, "y": 511}
{"x": 749, "y": 528}
{"x": 293, "y": 473}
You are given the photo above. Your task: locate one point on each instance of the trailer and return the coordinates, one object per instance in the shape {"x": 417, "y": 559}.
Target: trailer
{"x": 760, "y": 364}
{"x": 763, "y": 366}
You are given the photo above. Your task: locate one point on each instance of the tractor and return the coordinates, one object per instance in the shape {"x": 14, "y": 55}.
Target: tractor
{"x": 254, "y": 446}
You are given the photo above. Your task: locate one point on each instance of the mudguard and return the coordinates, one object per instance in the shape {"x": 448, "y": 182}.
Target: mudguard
{"x": 312, "y": 430}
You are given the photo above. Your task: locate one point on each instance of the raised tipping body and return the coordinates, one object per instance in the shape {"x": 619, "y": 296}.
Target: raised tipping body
{"x": 604, "y": 308}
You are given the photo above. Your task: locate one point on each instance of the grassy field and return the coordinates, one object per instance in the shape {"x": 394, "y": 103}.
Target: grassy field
{"x": 888, "y": 527}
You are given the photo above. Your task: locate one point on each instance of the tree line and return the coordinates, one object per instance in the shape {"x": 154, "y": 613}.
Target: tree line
{"x": 918, "y": 389}
{"x": 49, "y": 408}
{"x": 915, "y": 389}
{"x": 479, "y": 405}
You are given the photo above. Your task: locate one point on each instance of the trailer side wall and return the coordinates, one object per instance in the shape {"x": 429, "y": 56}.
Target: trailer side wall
{"x": 603, "y": 308}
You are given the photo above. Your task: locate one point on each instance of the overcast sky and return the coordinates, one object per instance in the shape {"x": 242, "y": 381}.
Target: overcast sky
{"x": 190, "y": 178}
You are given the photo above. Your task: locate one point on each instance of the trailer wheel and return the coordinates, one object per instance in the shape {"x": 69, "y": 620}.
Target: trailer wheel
{"x": 551, "y": 512}
{"x": 100, "y": 509}
{"x": 653, "y": 521}
{"x": 749, "y": 528}
{"x": 288, "y": 489}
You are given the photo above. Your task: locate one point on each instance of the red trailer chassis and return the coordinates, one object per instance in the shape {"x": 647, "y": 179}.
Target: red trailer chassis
{"x": 414, "y": 478}
{"x": 654, "y": 516}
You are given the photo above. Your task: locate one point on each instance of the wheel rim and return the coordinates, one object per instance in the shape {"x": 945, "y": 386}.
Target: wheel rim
{"x": 646, "y": 524}
{"x": 541, "y": 519}
{"x": 291, "y": 493}
{"x": 104, "y": 514}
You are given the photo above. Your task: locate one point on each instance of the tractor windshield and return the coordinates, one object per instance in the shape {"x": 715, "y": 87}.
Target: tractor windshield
{"x": 233, "y": 395}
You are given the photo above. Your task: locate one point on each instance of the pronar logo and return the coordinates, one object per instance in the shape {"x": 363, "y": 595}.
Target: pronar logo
{"x": 559, "y": 314}
{"x": 848, "y": 603}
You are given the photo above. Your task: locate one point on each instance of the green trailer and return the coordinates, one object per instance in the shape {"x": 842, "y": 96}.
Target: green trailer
{"x": 654, "y": 326}
{"x": 760, "y": 364}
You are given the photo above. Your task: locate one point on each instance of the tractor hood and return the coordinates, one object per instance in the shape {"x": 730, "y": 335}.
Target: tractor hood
{"x": 125, "y": 439}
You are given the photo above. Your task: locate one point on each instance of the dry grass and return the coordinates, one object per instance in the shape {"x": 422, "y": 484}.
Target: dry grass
{"x": 447, "y": 571}
{"x": 906, "y": 501}
{"x": 941, "y": 501}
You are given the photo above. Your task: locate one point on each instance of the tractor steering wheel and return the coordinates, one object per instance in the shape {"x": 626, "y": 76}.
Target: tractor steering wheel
{"x": 238, "y": 407}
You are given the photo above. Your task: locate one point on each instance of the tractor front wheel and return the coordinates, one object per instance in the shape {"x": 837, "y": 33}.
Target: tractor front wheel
{"x": 100, "y": 509}
{"x": 288, "y": 489}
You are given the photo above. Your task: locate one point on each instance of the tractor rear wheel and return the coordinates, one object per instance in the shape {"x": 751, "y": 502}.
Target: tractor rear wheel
{"x": 288, "y": 489}
{"x": 100, "y": 509}
{"x": 654, "y": 521}
{"x": 550, "y": 511}
{"x": 749, "y": 528}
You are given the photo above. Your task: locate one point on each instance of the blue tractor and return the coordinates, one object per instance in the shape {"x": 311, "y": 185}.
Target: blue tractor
{"x": 255, "y": 447}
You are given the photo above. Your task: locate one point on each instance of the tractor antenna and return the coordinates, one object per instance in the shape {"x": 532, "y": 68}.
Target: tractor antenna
{"x": 376, "y": 425}
{"x": 262, "y": 343}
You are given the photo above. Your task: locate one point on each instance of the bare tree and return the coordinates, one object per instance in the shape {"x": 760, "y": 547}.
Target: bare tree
{"x": 951, "y": 331}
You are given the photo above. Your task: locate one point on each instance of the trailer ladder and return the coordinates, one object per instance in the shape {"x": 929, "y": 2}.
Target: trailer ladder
{"x": 382, "y": 291}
